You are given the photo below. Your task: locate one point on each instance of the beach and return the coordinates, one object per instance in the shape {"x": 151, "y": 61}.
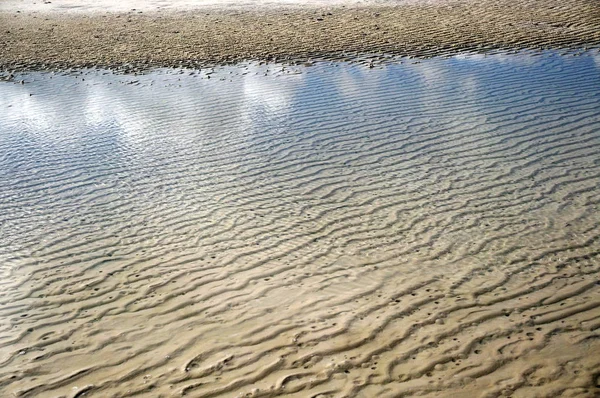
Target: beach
{"x": 41, "y": 37}
{"x": 299, "y": 200}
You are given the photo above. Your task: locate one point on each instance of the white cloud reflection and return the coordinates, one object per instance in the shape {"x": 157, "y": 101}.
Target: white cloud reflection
{"x": 169, "y": 110}
{"x": 148, "y": 114}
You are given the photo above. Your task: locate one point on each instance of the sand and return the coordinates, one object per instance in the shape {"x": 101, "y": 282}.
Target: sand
{"x": 47, "y": 36}
{"x": 369, "y": 226}
{"x": 419, "y": 229}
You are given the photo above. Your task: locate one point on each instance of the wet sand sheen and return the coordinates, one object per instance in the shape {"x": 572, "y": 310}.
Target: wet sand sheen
{"x": 421, "y": 229}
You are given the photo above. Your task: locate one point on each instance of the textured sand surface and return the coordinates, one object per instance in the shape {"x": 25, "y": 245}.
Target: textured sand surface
{"x": 34, "y": 39}
{"x": 426, "y": 229}
{"x": 95, "y": 6}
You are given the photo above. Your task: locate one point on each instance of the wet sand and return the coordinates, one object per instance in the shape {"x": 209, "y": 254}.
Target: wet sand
{"x": 42, "y": 37}
{"x": 419, "y": 229}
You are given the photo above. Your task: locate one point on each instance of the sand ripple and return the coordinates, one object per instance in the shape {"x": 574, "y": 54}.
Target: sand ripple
{"x": 49, "y": 36}
{"x": 421, "y": 229}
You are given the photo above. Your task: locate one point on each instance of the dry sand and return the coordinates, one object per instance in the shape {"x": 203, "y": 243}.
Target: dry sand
{"x": 33, "y": 38}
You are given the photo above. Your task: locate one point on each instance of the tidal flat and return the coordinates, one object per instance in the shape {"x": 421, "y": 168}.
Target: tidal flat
{"x": 416, "y": 228}
{"x": 134, "y": 35}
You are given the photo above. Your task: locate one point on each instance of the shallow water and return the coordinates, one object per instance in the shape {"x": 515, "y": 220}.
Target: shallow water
{"x": 418, "y": 228}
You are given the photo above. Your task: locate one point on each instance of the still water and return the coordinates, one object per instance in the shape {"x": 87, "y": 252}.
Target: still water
{"x": 416, "y": 228}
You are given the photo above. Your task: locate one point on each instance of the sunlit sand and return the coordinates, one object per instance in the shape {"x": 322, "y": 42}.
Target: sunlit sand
{"x": 417, "y": 228}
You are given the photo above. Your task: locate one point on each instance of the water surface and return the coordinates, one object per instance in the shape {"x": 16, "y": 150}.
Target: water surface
{"x": 419, "y": 228}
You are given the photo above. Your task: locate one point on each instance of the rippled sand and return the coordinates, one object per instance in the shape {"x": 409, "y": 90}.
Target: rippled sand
{"x": 109, "y": 34}
{"x": 420, "y": 229}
